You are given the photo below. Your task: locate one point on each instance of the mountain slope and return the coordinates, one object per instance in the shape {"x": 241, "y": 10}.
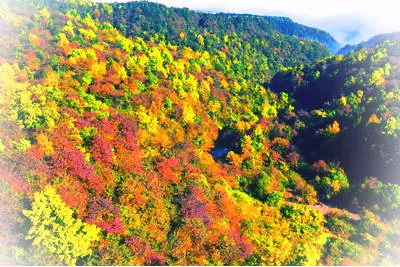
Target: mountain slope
{"x": 349, "y": 111}
{"x": 289, "y": 27}
{"x": 373, "y": 41}
{"x": 152, "y": 18}
{"x": 181, "y": 26}
{"x": 122, "y": 145}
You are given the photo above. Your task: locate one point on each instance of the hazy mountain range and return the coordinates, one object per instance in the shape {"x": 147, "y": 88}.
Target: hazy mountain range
{"x": 349, "y": 22}
{"x": 335, "y": 26}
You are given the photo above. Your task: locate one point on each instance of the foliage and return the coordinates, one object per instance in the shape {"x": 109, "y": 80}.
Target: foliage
{"x": 136, "y": 134}
{"x": 384, "y": 198}
{"x": 55, "y": 229}
{"x": 329, "y": 179}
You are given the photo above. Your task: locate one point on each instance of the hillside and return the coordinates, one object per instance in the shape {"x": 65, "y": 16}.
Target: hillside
{"x": 289, "y": 27}
{"x": 136, "y": 134}
{"x": 146, "y": 18}
{"x": 348, "y": 109}
{"x": 285, "y": 26}
{"x": 373, "y": 41}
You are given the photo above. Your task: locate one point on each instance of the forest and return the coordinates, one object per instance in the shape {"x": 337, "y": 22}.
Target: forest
{"x": 138, "y": 134}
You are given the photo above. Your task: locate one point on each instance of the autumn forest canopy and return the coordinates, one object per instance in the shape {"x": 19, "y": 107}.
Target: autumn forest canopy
{"x": 137, "y": 134}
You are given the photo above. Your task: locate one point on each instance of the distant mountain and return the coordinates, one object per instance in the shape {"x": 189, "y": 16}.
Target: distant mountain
{"x": 146, "y": 19}
{"x": 347, "y": 49}
{"x": 373, "y": 41}
{"x": 289, "y": 27}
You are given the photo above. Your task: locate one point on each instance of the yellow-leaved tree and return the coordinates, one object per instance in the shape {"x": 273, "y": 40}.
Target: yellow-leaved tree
{"x": 55, "y": 230}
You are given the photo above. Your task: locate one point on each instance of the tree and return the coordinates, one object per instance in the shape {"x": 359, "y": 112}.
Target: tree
{"x": 332, "y": 129}
{"x": 329, "y": 179}
{"x": 54, "y": 228}
{"x": 382, "y": 197}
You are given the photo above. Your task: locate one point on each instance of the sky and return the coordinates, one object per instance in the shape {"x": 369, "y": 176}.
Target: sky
{"x": 349, "y": 21}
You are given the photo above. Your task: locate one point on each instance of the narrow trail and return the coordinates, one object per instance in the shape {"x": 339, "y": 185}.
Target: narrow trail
{"x": 325, "y": 209}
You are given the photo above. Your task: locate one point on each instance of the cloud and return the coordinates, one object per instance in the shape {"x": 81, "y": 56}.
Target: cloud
{"x": 353, "y": 27}
{"x": 349, "y": 21}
